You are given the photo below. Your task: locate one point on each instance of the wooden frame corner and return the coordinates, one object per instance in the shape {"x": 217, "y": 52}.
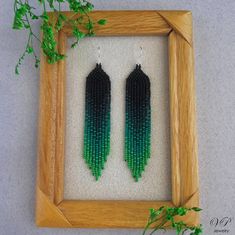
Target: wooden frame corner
{"x": 52, "y": 210}
{"x": 181, "y": 23}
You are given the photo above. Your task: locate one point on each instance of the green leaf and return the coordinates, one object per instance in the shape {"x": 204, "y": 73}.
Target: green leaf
{"x": 168, "y": 214}
{"x": 89, "y": 6}
{"x": 102, "y": 22}
{"x": 78, "y": 34}
{"x": 152, "y": 211}
{"x": 63, "y": 17}
{"x": 169, "y": 217}
{"x": 26, "y": 26}
{"x": 178, "y": 230}
{"x": 25, "y": 15}
{"x": 20, "y": 13}
{"x": 90, "y": 25}
{"x": 59, "y": 24}
{"x": 45, "y": 17}
{"x": 34, "y": 17}
{"x": 17, "y": 70}
{"x": 196, "y": 209}
{"x": 181, "y": 211}
{"x": 29, "y": 50}
{"x": 198, "y": 230}
{"x": 153, "y": 214}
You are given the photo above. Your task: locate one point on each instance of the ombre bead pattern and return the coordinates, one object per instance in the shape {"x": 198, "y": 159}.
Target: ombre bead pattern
{"x": 137, "y": 122}
{"x": 97, "y": 120}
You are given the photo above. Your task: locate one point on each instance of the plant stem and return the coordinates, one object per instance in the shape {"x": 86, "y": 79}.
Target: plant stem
{"x": 151, "y": 222}
{"x": 158, "y": 227}
{"x": 24, "y": 16}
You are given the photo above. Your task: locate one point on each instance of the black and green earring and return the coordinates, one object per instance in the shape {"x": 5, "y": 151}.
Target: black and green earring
{"x": 137, "y": 122}
{"x": 97, "y": 120}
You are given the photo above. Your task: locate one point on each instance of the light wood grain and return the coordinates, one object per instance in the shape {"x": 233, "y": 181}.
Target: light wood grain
{"x": 51, "y": 209}
{"x": 47, "y": 125}
{"x": 181, "y": 23}
{"x": 174, "y": 120}
{"x": 48, "y": 214}
{"x": 108, "y": 214}
{"x": 187, "y": 124}
{"x": 122, "y": 23}
{"x": 183, "y": 121}
{"x": 60, "y": 122}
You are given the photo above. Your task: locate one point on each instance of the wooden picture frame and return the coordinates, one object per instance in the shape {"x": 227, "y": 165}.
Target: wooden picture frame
{"x": 52, "y": 210}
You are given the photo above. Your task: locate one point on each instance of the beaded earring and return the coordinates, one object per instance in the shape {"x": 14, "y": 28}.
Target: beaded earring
{"x": 97, "y": 120}
{"x": 137, "y": 122}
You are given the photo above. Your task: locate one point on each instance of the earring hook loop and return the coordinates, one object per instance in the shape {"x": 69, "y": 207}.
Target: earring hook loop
{"x": 99, "y": 55}
{"x": 140, "y": 55}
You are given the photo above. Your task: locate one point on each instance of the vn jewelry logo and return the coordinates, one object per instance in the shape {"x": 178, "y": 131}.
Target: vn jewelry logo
{"x": 221, "y": 225}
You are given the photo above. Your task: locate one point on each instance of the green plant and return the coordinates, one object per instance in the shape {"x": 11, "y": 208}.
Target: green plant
{"x": 25, "y": 15}
{"x": 158, "y": 218}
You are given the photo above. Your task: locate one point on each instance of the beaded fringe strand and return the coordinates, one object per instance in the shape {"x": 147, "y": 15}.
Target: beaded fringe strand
{"x": 97, "y": 120}
{"x": 138, "y": 122}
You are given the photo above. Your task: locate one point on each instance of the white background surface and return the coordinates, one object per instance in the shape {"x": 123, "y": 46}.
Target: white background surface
{"x": 214, "y": 40}
{"x": 119, "y": 56}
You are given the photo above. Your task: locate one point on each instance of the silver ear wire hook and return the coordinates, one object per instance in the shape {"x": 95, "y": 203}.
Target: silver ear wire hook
{"x": 140, "y": 55}
{"x": 99, "y": 55}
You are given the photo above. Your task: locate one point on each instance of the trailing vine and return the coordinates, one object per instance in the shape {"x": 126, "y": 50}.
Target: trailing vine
{"x": 25, "y": 14}
{"x": 166, "y": 215}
